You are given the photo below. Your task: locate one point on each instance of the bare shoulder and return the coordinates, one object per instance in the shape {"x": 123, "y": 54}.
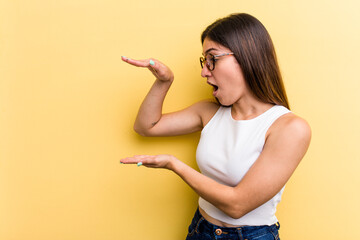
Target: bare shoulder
{"x": 207, "y": 105}
{"x": 290, "y": 126}
{"x": 206, "y": 109}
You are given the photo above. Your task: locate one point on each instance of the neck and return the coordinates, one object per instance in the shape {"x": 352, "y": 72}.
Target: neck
{"x": 246, "y": 109}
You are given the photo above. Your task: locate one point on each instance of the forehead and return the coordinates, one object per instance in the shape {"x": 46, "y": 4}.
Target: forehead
{"x": 210, "y": 46}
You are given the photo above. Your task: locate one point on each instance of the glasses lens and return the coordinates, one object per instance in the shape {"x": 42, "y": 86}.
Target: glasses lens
{"x": 202, "y": 61}
{"x": 208, "y": 61}
{"x": 210, "y": 64}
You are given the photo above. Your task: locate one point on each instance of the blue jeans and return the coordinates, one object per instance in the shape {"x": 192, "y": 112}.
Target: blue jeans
{"x": 201, "y": 229}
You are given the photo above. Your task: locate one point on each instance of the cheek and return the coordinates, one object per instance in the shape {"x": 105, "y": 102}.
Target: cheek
{"x": 231, "y": 78}
{"x": 234, "y": 82}
{"x": 236, "y": 78}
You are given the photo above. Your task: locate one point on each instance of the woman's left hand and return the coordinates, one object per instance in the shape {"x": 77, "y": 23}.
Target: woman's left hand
{"x": 153, "y": 161}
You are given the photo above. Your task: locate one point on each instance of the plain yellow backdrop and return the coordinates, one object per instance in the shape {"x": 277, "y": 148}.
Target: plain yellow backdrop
{"x": 68, "y": 102}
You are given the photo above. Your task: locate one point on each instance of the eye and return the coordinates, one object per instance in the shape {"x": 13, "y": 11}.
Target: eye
{"x": 209, "y": 56}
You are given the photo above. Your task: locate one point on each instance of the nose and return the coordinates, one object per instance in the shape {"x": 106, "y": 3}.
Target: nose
{"x": 205, "y": 72}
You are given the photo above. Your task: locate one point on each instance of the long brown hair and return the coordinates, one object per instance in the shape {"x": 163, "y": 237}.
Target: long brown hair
{"x": 253, "y": 49}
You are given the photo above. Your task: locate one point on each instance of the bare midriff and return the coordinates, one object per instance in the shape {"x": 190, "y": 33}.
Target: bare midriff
{"x": 215, "y": 221}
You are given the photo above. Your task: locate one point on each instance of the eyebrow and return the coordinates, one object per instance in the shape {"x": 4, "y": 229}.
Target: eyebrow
{"x": 210, "y": 49}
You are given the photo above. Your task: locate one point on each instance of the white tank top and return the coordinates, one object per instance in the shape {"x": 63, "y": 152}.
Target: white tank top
{"x": 227, "y": 149}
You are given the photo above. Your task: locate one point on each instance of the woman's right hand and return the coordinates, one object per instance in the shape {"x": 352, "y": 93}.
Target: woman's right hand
{"x": 158, "y": 69}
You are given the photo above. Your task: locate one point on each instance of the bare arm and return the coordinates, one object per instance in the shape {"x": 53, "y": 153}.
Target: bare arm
{"x": 283, "y": 151}
{"x": 150, "y": 111}
{"x": 151, "y": 121}
{"x": 285, "y": 146}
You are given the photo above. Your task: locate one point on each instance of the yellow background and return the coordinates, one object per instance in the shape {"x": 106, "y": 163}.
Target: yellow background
{"x": 67, "y": 105}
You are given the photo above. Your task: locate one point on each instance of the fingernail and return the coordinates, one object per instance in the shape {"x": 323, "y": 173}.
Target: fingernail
{"x": 139, "y": 164}
{"x": 152, "y": 63}
{"x": 125, "y": 57}
{"x": 122, "y": 163}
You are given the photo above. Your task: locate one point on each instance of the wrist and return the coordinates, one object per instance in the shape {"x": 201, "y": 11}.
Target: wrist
{"x": 163, "y": 85}
{"x": 168, "y": 81}
{"x": 174, "y": 164}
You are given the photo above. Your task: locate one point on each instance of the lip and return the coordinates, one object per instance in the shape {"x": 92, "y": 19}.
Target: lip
{"x": 215, "y": 93}
{"x": 216, "y": 88}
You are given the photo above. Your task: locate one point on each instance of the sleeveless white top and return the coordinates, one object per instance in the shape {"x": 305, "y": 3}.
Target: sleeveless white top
{"x": 227, "y": 149}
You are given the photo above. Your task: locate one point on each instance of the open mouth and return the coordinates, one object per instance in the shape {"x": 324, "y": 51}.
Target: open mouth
{"x": 215, "y": 88}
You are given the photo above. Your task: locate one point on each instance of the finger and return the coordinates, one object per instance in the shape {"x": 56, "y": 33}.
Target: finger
{"x": 129, "y": 160}
{"x": 154, "y": 71}
{"x": 145, "y": 159}
{"x": 154, "y": 67}
{"x": 136, "y": 63}
{"x": 150, "y": 157}
{"x": 149, "y": 63}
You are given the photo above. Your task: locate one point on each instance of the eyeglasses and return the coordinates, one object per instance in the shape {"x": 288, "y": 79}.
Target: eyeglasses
{"x": 209, "y": 61}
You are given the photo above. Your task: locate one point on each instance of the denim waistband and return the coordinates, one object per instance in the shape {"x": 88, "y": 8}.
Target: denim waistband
{"x": 246, "y": 231}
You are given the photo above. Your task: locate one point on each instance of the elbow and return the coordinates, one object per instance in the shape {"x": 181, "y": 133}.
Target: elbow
{"x": 235, "y": 209}
{"x": 235, "y": 212}
{"x": 141, "y": 131}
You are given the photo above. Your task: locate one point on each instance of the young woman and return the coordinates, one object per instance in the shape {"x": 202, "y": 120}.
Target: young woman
{"x": 250, "y": 141}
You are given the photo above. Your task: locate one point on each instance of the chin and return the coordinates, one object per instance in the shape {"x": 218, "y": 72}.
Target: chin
{"x": 223, "y": 104}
